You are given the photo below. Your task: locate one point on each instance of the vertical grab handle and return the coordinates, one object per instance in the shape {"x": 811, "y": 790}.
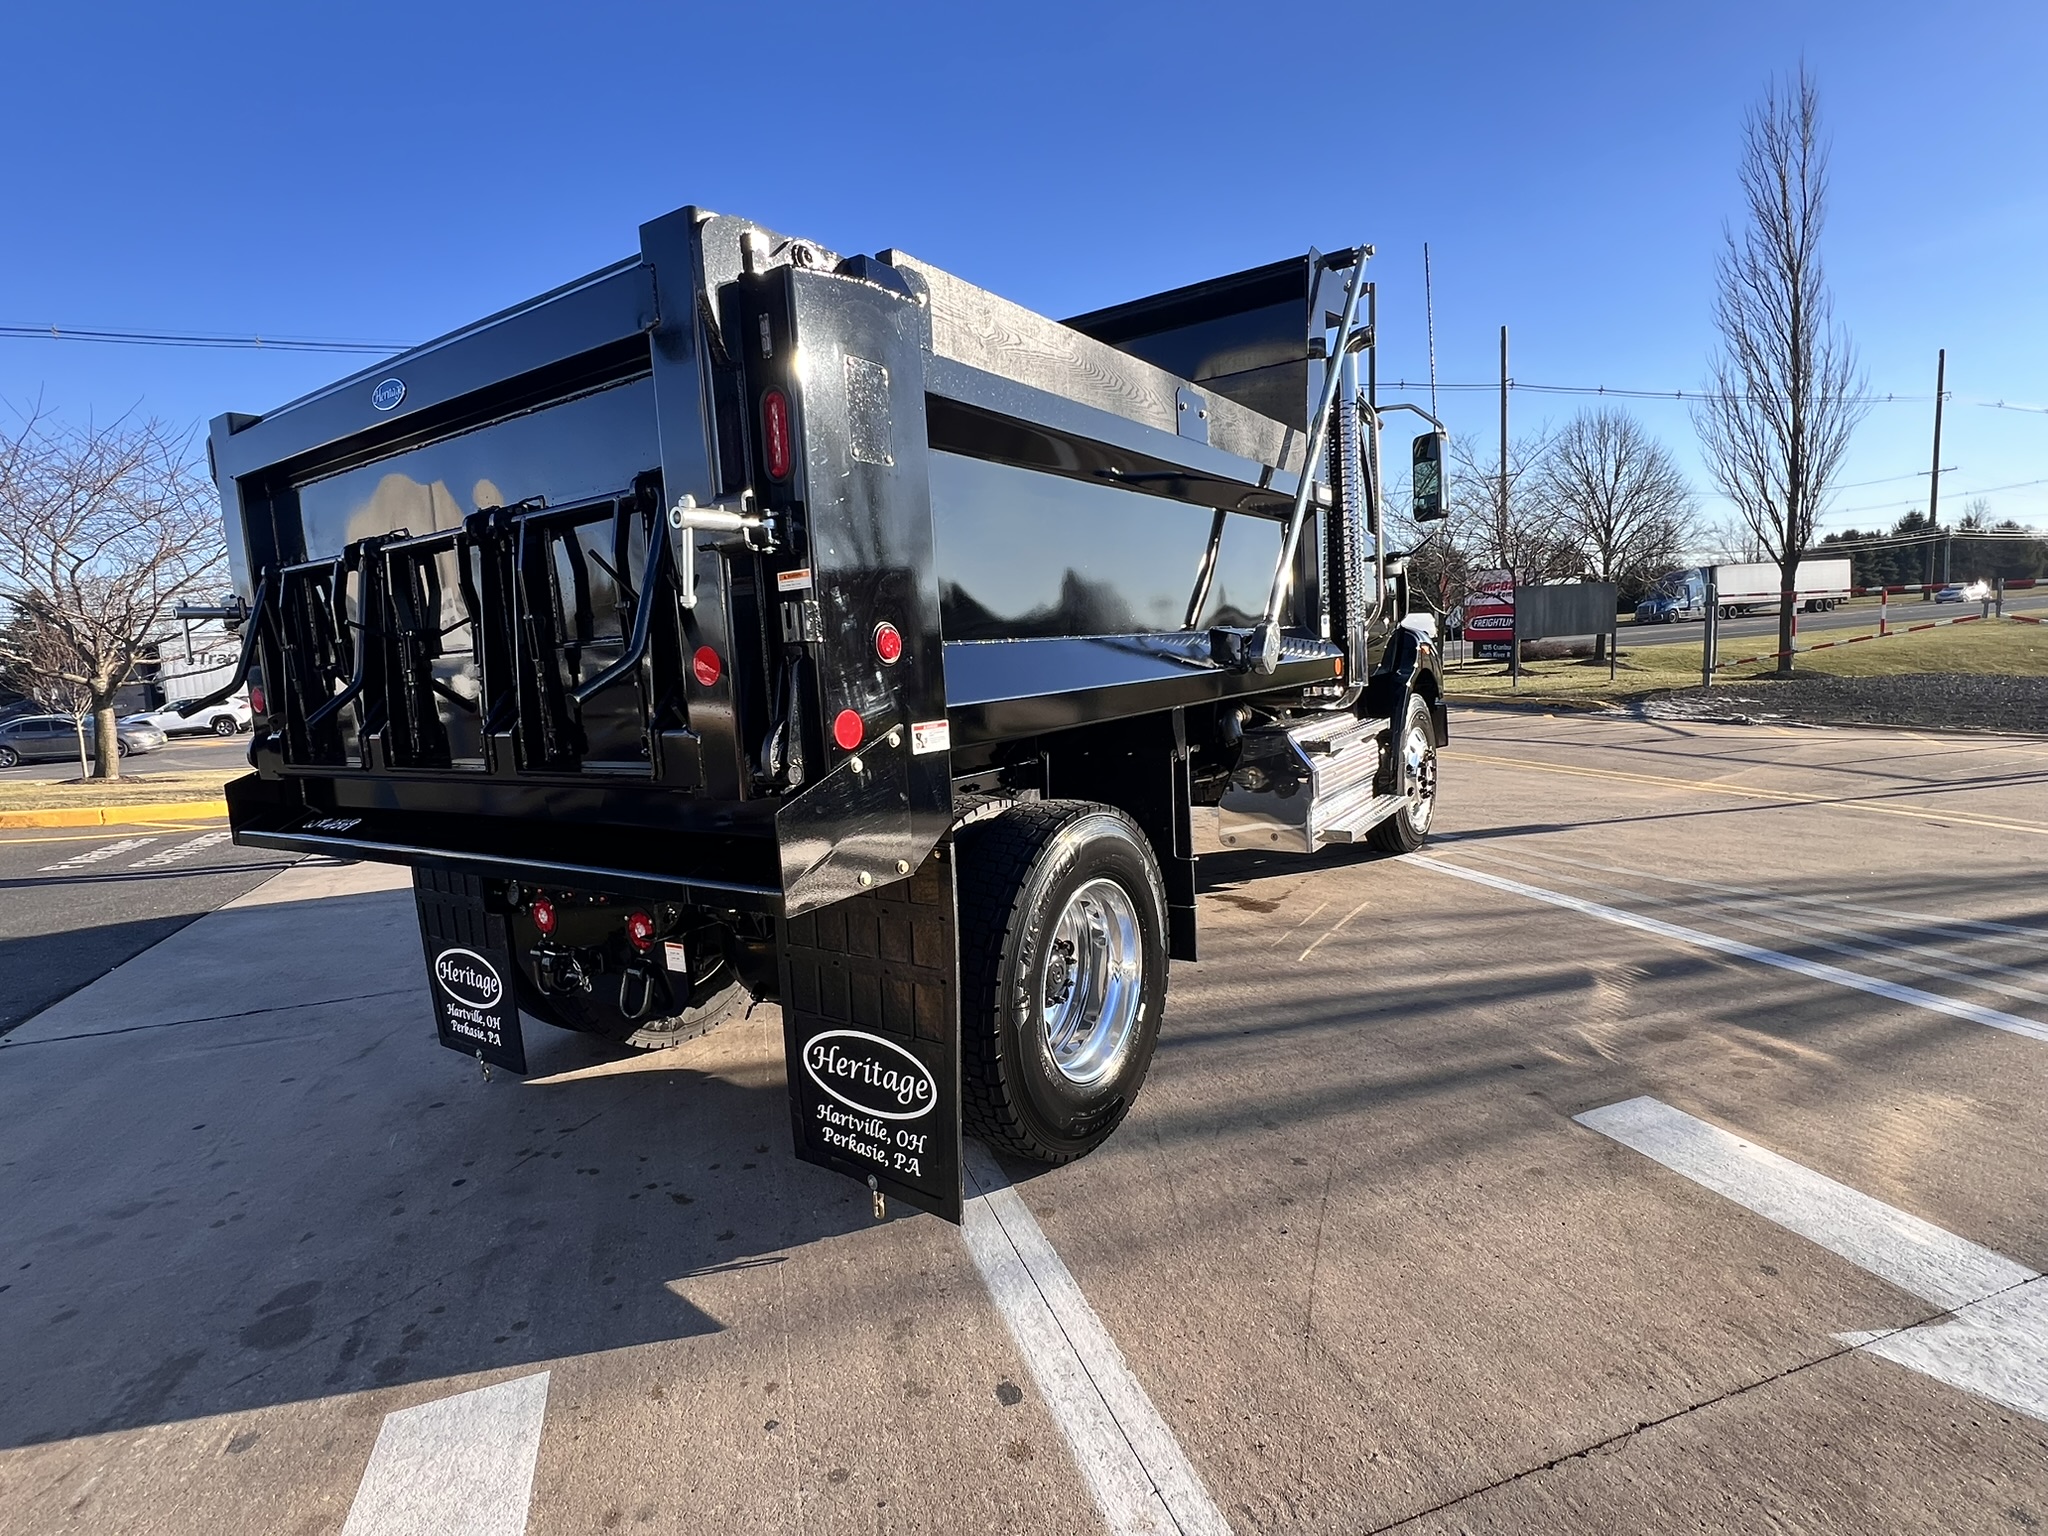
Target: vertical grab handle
{"x": 1265, "y": 650}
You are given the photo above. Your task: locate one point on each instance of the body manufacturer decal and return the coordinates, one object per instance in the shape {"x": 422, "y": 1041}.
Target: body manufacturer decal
{"x": 385, "y": 396}
{"x": 870, "y": 1075}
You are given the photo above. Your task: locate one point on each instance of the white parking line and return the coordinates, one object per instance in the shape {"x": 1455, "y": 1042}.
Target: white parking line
{"x": 1995, "y": 1344}
{"x": 97, "y": 855}
{"x": 181, "y": 851}
{"x": 1894, "y": 991}
{"x": 462, "y": 1466}
{"x": 1133, "y": 1465}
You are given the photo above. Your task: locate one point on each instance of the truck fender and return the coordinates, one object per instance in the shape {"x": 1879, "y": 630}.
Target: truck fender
{"x": 1413, "y": 664}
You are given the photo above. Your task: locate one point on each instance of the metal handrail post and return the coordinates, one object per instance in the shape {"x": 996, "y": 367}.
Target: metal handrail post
{"x": 1266, "y": 649}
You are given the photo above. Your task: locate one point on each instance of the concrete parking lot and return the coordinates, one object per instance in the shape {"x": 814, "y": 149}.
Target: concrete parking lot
{"x": 1663, "y": 1149}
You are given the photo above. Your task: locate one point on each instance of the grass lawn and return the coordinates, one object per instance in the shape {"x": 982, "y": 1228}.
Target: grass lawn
{"x": 2000, "y": 648}
{"x": 132, "y": 788}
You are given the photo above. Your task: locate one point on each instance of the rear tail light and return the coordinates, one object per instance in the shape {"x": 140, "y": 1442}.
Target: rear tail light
{"x": 640, "y": 930}
{"x": 256, "y": 705}
{"x": 888, "y": 641}
{"x": 543, "y": 912}
{"x": 775, "y": 433}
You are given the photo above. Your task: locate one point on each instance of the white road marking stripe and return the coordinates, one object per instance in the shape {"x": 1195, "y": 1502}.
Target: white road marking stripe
{"x": 1914, "y": 1255}
{"x": 179, "y": 851}
{"x": 1934, "y": 1002}
{"x": 1857, "y": 943}
{"x": 1134, "y": 1467}
{"x": 95, "y": 855}
{"x": 1996, "y": 1345}
{"x": 462, "y": 1466}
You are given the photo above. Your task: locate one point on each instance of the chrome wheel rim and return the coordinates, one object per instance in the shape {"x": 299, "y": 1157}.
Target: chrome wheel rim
{"x": 1091, "y": 982}
{"x": 1418, "y": 763}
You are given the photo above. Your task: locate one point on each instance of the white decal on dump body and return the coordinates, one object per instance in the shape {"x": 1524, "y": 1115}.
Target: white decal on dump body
{"x": 930, "y": 736}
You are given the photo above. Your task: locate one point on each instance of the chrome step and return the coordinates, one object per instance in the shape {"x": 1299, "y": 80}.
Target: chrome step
{"x": 1352, "y": 828}
{"x": 1306, "y": 786}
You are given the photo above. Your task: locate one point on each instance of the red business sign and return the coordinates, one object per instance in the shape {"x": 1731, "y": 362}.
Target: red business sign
{"x": 1490, "y": 610}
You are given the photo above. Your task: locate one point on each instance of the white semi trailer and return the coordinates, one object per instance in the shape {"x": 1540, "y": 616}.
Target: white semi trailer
{"x": 1743, "y": 589}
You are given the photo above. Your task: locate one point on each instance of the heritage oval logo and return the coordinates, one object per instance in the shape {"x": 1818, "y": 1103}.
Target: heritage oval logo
{"x": 385, "y": 396}
{"x": 870, "y": 1075}
{"x": 469, "y": 978}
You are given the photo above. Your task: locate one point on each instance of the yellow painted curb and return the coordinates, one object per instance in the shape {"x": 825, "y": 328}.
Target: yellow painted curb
{"x": 114, "y": 815}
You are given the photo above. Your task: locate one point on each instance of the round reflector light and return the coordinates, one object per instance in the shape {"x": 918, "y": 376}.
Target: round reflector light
{"x": 705, "y": 666}
{"x": 256, "y": 705}
{"x": 543, "y": 915}
{"x": 847, "y": 730}
{"x": 888, "y": 641}
{"x": 640, "y": 930}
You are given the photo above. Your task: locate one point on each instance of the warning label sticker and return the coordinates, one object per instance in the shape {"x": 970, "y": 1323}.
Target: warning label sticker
{"x": 930, "y": 736}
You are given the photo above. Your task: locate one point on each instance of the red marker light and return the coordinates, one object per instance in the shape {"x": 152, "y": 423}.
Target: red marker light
{"x": 705, "y": 666}
{"x": 640, "y": 930}
{"x": 847, "y": 730}
{"x": 775, "y": 433}
{"x": 543, "y": 915}
{"x": 256, "y": 701}
{"x": 888, "y": 641}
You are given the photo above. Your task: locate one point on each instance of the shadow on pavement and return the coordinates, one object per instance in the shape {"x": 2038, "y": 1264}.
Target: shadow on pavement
{"x": 290, "y": 1202}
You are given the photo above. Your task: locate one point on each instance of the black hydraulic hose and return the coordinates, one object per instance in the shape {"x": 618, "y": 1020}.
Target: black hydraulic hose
{"x": 243, "y": 662}
{"x": 643, "y": 621}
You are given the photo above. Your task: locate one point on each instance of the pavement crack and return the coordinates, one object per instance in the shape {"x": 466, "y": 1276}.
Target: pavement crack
{"x": 1308, "y": 1329}
{"x": 1622, "y": 1437}
{"x": 205, "y": 1018}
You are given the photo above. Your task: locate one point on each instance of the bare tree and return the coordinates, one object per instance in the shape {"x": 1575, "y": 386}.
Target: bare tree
{"x": 1620, "y": 495}
{"x": 1784, "y": 395}
{"x": 1504, "y": 521}
{"x": 102, "y": 530}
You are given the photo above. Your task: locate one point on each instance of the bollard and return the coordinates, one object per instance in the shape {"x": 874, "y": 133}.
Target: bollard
{"x": 1883, "y": 594}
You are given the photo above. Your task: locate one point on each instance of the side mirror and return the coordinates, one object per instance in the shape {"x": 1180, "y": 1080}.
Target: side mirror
{"x": 1426, "y": 478}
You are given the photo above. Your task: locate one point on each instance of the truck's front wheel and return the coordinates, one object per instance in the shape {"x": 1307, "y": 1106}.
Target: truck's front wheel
{"x": 1412, "y": 776}
{"x": 1062, "y": 975}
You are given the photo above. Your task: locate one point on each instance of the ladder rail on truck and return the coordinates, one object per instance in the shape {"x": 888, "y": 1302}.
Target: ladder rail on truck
{"x": 743, "y": 619}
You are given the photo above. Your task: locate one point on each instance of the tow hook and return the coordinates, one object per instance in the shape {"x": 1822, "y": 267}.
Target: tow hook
{"x": 638, "y": 980}
{"x": 556, "y": 972}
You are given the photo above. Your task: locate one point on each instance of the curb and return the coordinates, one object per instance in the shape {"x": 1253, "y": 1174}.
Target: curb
{"x": 114, "y": 815}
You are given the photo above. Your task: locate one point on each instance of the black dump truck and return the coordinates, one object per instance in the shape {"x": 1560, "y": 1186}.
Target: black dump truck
{"x": 745, "y": 620}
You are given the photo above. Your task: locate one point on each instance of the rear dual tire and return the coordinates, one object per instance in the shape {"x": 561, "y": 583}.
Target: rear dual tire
{"x": 1063, "y": 974}
{"x": 714, "y": 998}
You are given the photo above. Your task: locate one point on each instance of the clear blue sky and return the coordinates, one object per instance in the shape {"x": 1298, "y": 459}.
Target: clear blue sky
{"x": 393, "y": 171}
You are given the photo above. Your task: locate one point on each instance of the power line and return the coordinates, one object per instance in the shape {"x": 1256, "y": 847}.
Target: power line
{"x": 201, "y": 339}
{"x": 157, "y": 338}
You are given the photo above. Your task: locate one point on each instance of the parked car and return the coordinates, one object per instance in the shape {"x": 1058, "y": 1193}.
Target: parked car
{"x": 54, "y": 738}
{"x": 223, "y": 719}
{"x": 1958, "y": 592}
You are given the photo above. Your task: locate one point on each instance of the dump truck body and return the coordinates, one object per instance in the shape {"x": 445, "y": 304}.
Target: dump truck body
{"x": 671, "y": 624}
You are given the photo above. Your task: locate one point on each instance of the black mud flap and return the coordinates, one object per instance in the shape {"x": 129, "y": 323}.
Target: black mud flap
{"x": 871, "y": 1026}
{"x": 469, "y": 967}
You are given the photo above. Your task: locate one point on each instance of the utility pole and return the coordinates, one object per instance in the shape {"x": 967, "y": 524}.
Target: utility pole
{"x": 1934, "y": 486}
{"x": 1506, "y": 541}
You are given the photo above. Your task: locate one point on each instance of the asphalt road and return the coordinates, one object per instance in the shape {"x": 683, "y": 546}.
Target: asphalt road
{"x": 184, "y": 754}
{"x": 74, "y": 903}
{"x": 1861, "y": 614}
{"x": 1663, "y": 1150}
